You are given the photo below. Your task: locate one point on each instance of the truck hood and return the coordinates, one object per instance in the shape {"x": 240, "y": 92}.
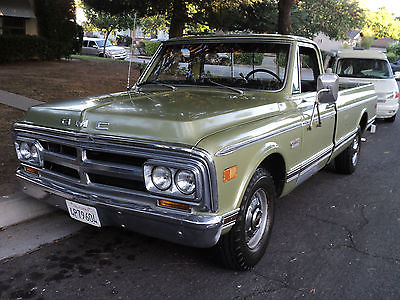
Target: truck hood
{"x": 183, "y": 116}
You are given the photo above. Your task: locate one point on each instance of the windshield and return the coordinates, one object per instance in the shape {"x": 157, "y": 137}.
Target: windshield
{"x": 100, "y": 43}
{"x": 364, "y": 68}
{"x": 241, "y": 65}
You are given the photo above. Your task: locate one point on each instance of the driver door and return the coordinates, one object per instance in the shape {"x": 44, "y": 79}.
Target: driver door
{"x": 317, "y": 138}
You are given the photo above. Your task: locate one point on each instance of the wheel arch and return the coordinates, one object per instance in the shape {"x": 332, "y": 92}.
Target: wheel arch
{"x": 275, "y": 164}
{"x": 363, "y": 122}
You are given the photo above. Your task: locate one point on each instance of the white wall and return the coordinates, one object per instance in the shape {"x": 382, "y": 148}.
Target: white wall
{"x": 326, "y": 44}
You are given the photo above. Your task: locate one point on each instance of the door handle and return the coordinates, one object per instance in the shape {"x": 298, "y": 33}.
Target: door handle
{"x": 330, "y": 105}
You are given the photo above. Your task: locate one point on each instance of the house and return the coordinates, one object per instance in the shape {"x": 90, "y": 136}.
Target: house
{"x": 381, "y": 44}
{"x": 17, "y": 17}
{"x": 327, "y": 44}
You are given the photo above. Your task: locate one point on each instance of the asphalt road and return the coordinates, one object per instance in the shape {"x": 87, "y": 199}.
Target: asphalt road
{"x": 334, "y": 237}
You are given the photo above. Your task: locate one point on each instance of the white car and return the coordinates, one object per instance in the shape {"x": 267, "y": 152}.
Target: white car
{"x": 371, "y": 66}
{"x": 94, "y": 46}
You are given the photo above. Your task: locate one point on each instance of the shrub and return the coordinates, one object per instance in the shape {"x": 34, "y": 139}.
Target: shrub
{"x": 124, "y": 40}
{"x": 150, "y": 47}
{"x": 25, "y": 47}
{"x": 394, "y": 48}
{"x": 392, "y": 57}
{"x": 247, "y": 58}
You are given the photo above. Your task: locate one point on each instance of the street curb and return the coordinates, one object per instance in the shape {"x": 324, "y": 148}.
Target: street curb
{"x": 18, "y": 207}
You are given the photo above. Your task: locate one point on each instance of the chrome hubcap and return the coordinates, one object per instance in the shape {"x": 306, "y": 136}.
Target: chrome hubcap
{"x": 356, "y": 146}
{"x": 256, "y": 218}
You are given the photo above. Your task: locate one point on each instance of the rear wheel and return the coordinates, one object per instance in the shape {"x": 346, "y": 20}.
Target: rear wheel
{"x": 245, "y": 244}
{"x": 346, "y": 162}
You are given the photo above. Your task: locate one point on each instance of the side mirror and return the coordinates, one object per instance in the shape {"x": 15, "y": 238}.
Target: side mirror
{"x": 328, "y": 88}
{"x": 95, "y": 46}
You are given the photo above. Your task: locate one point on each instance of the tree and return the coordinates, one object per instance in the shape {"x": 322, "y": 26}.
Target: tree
{"x": 305, "y": 17}
{"x": 332, "y": 17}
{"x": 108, "y": 22}
{"x": 179, "y": 13}
{"x": 383, "y": 24}
{"x": 284, "y": 20}
{"x": 56, "y": 23}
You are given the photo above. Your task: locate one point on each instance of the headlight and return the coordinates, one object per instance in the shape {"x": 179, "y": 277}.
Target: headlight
{"x": 173, "y": 179}
{"x": 25, "y": 151}
{"x": 29, "y": 152}
{"x": 185, "y": 181}
{"x": 161, "y": 177}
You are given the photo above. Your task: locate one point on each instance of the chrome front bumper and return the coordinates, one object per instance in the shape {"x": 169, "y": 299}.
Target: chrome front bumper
{"x": 181, "y": 228}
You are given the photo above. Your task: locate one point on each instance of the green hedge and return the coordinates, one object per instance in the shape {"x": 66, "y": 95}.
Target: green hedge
{"x": 394, "y": 48}
{"x": 247, "y": 58}
{"x": 392, "y": 57}
{"x": 26, "y": 47}
{"x": 150, "y": 47}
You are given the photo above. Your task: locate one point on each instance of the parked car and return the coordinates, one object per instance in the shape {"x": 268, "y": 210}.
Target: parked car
{"x": 95, "y": 46}
{"x": 197, "y": 152}
{"x": 370, "y": 66}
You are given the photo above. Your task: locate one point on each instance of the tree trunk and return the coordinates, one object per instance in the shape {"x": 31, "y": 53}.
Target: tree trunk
{"x": 284, "y": 23}
{"x": 178, "y": 18}
{"x": 105, "y": 42}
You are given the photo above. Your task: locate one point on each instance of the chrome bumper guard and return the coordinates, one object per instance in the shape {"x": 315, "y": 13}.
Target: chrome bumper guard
{"x": 185, "y": 229}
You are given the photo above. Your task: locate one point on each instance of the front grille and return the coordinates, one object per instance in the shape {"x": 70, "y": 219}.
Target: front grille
{"x": 56, "y": 168}
{"x": 110, "y": 169}
{"x": 115, "y": 158}
{"x": 94, "y": 166}
{"x": 59, "y": 148}
{"x": 124, "y": 183}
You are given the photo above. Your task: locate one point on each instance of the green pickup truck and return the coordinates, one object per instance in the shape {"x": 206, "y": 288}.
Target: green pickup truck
{"x": 199, "y": 149}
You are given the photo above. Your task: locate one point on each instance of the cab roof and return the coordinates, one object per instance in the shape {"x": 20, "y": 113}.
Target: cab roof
{"x": 369, "y": 54}
{"x": 236, "y": 37}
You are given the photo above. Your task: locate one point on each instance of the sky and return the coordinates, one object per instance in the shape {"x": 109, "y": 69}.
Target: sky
{"x": 392, "y": 6}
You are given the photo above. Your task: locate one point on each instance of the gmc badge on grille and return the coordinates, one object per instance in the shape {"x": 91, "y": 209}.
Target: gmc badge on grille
{"x": 66, "y": 122}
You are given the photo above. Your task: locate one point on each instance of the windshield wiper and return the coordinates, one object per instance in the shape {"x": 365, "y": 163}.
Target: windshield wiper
{"x": 225, "y": 86}
{"x": 157, "y": 83}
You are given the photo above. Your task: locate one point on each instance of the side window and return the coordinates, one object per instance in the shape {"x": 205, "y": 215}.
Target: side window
{"x": 85, "y": 43}
{"x": 92, "y": 43}
{"x": 309, "y": 70}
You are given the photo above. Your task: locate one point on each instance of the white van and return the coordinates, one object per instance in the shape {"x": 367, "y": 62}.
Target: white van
{"x": 370, "y": 66}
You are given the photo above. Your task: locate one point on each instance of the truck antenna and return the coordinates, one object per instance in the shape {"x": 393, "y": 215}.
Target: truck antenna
{"x": 130, "y": 55}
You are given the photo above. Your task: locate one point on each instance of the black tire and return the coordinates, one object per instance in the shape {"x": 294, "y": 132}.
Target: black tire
{"x": 241, "y": 249}
{"x": 391, "y": 119}
{"x": 346, "y": 162}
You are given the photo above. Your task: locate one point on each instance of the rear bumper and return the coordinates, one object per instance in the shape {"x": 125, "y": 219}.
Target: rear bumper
{"x": 386, "y": 111}
{"x": 181, "y": 228}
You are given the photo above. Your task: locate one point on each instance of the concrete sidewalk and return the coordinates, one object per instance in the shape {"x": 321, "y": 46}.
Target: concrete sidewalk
{"x": 17, "y": 101}
{"x": 18, "y": 207}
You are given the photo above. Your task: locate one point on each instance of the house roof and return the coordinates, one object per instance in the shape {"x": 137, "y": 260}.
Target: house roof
{"x": 382, "y": 43}
{"x": 16, "y": 8}
{"x": 353, "y": 33}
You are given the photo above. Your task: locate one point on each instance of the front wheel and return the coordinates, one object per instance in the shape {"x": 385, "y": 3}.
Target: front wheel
{"x": 346, "y": 162}
{"x": 245, "y": 244}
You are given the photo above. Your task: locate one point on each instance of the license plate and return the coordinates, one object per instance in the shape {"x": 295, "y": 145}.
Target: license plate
{"x": 83, "y": 213}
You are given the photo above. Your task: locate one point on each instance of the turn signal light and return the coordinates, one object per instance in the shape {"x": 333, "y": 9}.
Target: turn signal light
{"x": 397, "y": 95}
{"x": 32, "y": 170}
{"x": 230, "y": 173}
{"x": 175, "y": 205}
